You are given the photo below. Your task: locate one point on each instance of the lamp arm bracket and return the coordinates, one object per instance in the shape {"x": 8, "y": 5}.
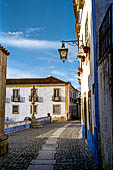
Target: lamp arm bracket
{"x": 72, "y": 42}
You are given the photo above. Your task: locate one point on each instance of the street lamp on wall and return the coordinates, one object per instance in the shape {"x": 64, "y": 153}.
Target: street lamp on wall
{"x": 64, "y": 51}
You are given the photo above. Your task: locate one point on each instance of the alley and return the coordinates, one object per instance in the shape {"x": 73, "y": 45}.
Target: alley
{"x": 70, "y": 151}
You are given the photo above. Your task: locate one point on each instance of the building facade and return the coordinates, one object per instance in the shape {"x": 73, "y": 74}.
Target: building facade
{"x": 52, "y": 96}
{"x": 105, "y": 83}
{"x": 86, "y": 71}
{"x": 95, "y": 38}
{"x": 3, "y": 66}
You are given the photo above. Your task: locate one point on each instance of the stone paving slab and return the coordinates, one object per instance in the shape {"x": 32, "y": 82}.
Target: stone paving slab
{"x": 45, "y": 152}
{"x": 50, "y": 145}
{"x": 59, "y": 131}
{"x": 51, "y": 141}
{"x": 41, "y": 167}
{"x": 44, "y": 156}
{"x": 46, "y": 148}
{"x": 43, "y": 162}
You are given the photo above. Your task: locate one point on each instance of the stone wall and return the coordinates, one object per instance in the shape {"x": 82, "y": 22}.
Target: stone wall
{"x": 3, "y": 66}
{"x": 105, "y": 85}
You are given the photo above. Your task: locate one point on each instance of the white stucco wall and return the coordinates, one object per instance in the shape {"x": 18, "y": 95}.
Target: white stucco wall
{"x": 87, "y": 77}
{"x": 42, "y": 107}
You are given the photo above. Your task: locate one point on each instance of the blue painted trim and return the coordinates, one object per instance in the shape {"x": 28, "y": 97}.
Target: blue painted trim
{"x": 22, "y": 127}
{"x": 44, "y": 122}
{"x": 95, "y": 66}
{"x": 92, "y": 143}
{"x": 95, "y": 77}
{"x": 16, "y": 128}
{"x": 83, "y": 132}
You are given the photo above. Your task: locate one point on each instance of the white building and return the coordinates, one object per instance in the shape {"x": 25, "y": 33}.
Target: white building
{"x": 53, "y": 96}
{"x": 85, "y": 29}
{"x": 94, "y": 30}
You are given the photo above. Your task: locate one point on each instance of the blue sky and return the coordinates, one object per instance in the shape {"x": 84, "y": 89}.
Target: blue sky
{"x": 32, "y": 30}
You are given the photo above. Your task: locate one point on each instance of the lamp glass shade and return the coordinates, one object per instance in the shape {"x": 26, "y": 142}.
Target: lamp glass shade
{"x": 63, "y": 53}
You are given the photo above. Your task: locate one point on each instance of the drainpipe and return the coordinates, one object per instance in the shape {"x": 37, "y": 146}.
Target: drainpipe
{"x": 97, "y": 132}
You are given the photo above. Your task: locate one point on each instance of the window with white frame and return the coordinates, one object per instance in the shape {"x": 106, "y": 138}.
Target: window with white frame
{"x": 57, "y": 92}
{"x": 15, "y": 109}
{"x": 16, "y": 93}
{"x": 57, "y": 109}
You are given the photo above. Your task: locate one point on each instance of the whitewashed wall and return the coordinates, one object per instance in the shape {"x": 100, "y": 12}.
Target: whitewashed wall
{"x": 87, "y": 77}
{"x": 42, "y": 107}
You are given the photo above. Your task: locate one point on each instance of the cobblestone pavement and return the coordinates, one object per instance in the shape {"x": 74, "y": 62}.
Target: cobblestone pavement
{"x": 25, "y": 145}
{"x": 71, "y": 154}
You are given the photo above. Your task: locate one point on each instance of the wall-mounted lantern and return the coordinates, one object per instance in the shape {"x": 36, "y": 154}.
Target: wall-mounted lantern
{"x": 64, "y": 51}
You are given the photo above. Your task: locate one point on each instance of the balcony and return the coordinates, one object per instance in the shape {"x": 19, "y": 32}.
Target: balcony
{"x": 106, "y": 33}
{"x": 78, "y": 73}
{"x": 81, "y": 3}
{"x": 82, "y": 57}
{"x": 15, "y": 99}
{"x": 36, "y": 99}
{"x": 80, "y": 69}
{"x": 78, "y": 26}
{"x": 58, "y": 99}
{"x": 79, "y": 81}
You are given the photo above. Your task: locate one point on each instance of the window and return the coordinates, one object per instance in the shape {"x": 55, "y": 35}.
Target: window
{"x": 16, "y": 93}
{"x": 86, "y": 31}
{"x": 89, "y": 111}
{"x": 56, "y": 92}
{"x": 15, "y": 109}
{"x": 56, "y": 95}
{"x": 57, "y": 109}
{"x": 35, "y": 109}
{"x": 87, "y": 40}
{"x": 106, "y": 33}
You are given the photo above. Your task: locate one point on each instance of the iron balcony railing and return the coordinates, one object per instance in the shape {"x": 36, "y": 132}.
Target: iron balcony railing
{"x": 16, "y": 99}
{"x": 106, "y": 33}
{"x": 36, "y": 99}
{"x": 58, "y": 99}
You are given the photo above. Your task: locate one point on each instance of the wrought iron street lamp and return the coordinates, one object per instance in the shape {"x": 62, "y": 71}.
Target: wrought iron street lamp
{"x": 64, "y": 51}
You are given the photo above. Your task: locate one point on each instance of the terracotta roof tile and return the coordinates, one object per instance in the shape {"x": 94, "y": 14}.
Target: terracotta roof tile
{"x": 48, "y": 80}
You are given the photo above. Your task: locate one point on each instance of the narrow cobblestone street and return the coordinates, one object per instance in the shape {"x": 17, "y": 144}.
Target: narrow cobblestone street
{"x": 71, "y": 153}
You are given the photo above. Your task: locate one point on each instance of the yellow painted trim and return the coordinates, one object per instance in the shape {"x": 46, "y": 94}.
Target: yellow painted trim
{"x": 62, "y": 118}
{"x": 11, "y": 86}
{"x": 66, "y": 100}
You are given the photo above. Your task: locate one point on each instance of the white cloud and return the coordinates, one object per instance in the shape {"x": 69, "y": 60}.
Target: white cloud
{"x": 29, "y": 44}
{"x": 58, "y": 73}
{"x": 17, "y": 73}
{"x": 12, "y": 34}
{"x": 15, "y": 33}
{"x": 52, "y": 67}
{"x": 29, "y": 30}
{"x": 47, "y": 59}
